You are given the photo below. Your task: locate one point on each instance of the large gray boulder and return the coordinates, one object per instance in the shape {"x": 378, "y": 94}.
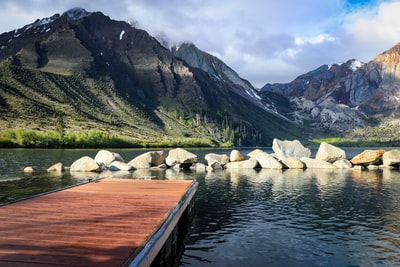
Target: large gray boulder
{"x": 180, "y": 156}
{"x": 85, "y": 164}
{"x": 236, "y": 156}
{"x": 391, "y": 157}
{"x": 372, "y": 167}
{"x": 244, "y": 164}
{"x": 212, "y": 158}
{"x": 292, "y": 149}
{"x": 293, "y": 163}
{"x": 58, "y": 167}
{"x": 367, "y": 156}
{"x": 29, "y": 169}
{"x": 199, "y": 167}
{"x": 317, "y": 164}
{"x": 343, "y": 164}
{"x": 215, "y": 166}
{"x": 107, "y": 157}
{"x": 329, "y": 153}
{"x": 267, "y": 161}
{"x": 149, "y": 159}
{"x": 254, "y": 153}
{"x": 120, "y": 166}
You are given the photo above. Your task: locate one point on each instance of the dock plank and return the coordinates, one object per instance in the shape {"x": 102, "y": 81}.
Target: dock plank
{"x": 100, "y": 223}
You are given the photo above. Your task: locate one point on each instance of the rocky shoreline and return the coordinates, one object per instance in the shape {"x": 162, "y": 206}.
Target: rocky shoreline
{"x": 287, "y": 155}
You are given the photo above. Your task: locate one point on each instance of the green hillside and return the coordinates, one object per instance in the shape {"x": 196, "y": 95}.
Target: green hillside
{"x": 78, "y": 82}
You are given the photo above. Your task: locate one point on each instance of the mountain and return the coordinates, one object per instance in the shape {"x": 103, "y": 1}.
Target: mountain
{"x": 384, "y": 73}
{"x": 346, "y": 98}
{"x": 323, "y": 96}
{"x": 97, "y": 73}
{"x": 217, "y": 70}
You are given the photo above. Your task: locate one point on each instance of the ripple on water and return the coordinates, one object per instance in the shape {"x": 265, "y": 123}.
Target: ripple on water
{"x": 313, "y": 219}
{"x": 260, "y": 218}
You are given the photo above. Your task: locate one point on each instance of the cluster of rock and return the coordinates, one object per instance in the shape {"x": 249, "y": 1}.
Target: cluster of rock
{"x": 111, "y": 161}
{"x": 293, "y": 155}
{"x": 287, "y": 155}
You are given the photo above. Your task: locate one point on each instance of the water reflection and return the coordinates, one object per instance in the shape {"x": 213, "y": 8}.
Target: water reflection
{"x": 296, "y": 218}
{"x": 256, "y": 217}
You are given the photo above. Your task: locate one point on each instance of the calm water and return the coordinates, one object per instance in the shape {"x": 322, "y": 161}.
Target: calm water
{"x": 258, "y": 218}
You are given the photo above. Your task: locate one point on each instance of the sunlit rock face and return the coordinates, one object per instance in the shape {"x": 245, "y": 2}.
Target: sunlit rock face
{"x": 389, "y": 62}
{"x": 386, "y": 98}
{"x": 341, "y": 96}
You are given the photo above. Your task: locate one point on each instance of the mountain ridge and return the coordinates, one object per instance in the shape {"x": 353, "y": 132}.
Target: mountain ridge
{"x": 347, "y": 97}
{"x": 98, "y": 73}
{"x": 119, "y": 79}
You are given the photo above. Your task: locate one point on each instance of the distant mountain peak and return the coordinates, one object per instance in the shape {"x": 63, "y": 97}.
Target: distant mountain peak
{"x": 352, "y": 64}
{"x": 76, "y": 13}
{"x": 215, "y": 68}
{"x": 390, "y": 57}
{"x": 395, "y": 49}
{"x": 355, "y": 64}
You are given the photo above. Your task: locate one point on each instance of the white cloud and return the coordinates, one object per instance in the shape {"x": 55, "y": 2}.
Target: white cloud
{"x": 292, "y": 52}
{"x": 373, "y": 31}
{"x": 315, "y": 40}
{"x": 273, "y": 69}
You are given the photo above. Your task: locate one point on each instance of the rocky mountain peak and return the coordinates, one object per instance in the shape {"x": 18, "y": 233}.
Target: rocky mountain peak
{"x": 316, "y": 83}
{"x": 389, "y": 60}
{"x": 76, "y": 13}
{"x": 196, "y": 58}
{"x": 354, "y": 64}
{"x": 354, "y": 89}
{"x": 217, "y": 69}
{"x": 393, "y": 52}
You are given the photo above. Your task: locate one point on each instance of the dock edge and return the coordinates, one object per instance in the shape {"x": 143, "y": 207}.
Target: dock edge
{"x": 153, "y": 246}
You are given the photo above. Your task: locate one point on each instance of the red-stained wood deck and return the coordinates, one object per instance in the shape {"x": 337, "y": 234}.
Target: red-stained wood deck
{"x": 102, "y": 223}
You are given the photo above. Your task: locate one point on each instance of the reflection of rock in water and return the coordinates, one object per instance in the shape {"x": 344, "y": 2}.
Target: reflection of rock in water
{"x": 236, "y": 175}
{"x": 115, "y": 174}
{"x": 370, "y": 178}
{"x": 329, "y": 181}
{"x": 388, "y": 174}
{"x": 289, "y": 181}
{"x": 366, "y": 175}
{"x": 141, "y": 173}
{"x": 265, "y": 175}
{"x": 294, "y": 173}
{"x": 84, "y": 175}
{"x": 57, "y": 174}
{"x": 174, "y": 174}
{"x": 217, "y": 175}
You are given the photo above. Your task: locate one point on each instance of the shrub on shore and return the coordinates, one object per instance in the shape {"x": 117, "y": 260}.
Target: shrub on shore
{"x": 91, "y": 139}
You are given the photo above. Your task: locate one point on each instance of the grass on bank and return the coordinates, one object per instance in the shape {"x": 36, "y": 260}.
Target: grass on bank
{"x": 366, "y": 142}
{"x": 90, "y": 139}
{"x": 330, "y": 140}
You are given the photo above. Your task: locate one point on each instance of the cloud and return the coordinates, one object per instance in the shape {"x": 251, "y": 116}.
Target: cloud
{"x": 315, "y": 40}
{"x": 372, "y": 31}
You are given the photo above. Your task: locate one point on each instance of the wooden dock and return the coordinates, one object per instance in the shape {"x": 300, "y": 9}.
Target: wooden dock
{"x": 108, "y": 222}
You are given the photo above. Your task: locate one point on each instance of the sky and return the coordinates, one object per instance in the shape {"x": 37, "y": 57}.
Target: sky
{"x": 264, "y": 41}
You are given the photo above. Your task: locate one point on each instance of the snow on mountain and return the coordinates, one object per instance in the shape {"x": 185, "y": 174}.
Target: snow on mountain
{"x": 356, "y": 64}
{"x": 76, "y": 13}
{"x": 121, "y": 35}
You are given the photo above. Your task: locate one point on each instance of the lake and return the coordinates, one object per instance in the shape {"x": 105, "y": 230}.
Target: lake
{"x": 256, "y": 217}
